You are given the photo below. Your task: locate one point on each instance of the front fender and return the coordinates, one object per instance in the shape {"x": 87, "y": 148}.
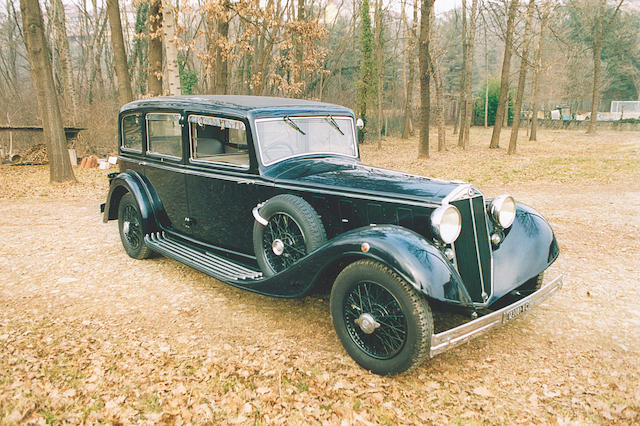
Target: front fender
{"x": 527, "y": 250}
{"x": 407, "y": 253}
{"x": 134, "y": 183}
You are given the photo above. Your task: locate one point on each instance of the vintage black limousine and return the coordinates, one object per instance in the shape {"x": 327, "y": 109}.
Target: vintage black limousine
{"x": 268, "y": 194}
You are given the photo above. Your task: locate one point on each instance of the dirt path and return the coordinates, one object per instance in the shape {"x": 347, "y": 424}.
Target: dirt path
{"x": 87, "y": 333}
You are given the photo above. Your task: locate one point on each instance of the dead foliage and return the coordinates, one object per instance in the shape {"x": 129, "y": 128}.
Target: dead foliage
{"x": 90, "y": 335}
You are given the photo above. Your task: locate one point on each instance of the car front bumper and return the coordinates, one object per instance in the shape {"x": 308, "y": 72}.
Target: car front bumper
{"x": 446, "y": 340}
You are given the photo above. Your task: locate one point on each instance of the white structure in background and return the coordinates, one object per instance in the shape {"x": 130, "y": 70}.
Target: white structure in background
{"x": 625, "y": 109}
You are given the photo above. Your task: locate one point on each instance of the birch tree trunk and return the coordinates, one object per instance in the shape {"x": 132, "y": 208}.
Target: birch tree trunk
{"x": 504, "y": 78}
{"x": 42, "y": 77}
{"x": 119, "y": 53}
{"x": 171, "y": 48}
{"x": 522, "y": 77}
{"x": 154, "y": 78}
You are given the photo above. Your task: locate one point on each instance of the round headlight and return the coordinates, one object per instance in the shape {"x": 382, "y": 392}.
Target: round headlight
{"x": 503, "y": 210}
{"x": 446, "y": 223}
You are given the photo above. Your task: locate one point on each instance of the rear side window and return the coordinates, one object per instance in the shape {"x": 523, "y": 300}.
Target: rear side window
{"x": 164, "y": 134}
{"x": 132, "y": 133}
{"x": 219, "y": 140}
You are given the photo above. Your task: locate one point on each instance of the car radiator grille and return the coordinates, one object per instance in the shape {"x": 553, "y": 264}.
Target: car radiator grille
{"x": 473, "y": 249}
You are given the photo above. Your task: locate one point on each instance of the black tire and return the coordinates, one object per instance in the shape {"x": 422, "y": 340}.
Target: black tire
{"x": 295, "y": 224}
{"x": 402, "y": 321}
{"x": 130, "y": 227}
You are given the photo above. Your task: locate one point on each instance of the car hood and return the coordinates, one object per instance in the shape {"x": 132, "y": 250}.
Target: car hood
{"x": 341, "y": 174}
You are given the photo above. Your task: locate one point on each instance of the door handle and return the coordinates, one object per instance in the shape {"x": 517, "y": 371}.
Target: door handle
{"x": 246, "y": 181}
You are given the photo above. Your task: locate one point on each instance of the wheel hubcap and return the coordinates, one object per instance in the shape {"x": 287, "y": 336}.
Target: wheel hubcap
{"x": 277, "y": 246}
{"x": 283, "y": 242}
{"x": 367, "y": 323}
{"x": 374, "y": 320}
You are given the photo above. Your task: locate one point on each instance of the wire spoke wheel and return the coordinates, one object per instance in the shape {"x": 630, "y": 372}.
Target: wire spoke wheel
{"x": 133, "y": 233}
{"x": 381, "y": 320}
{"x": 131, "y": 229}
{"x": 374, "y": 320}
{"x": 283, "y": 242}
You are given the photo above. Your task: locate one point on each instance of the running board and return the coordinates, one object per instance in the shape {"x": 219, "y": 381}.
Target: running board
{"x": 211, "y": 264}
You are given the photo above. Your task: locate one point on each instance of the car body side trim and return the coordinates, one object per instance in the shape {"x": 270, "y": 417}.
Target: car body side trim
{"x": 446, "y": 340}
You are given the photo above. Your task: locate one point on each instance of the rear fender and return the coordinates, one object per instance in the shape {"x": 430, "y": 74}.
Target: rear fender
{"x": 148, "y": 203}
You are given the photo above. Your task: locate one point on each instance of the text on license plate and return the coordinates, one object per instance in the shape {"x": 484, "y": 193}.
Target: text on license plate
{"x": 515, "y": 312}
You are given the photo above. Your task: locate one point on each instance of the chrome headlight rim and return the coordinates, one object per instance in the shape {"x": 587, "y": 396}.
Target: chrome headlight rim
{"x": 446, "y": 231}
{"x": 502, "y": 210}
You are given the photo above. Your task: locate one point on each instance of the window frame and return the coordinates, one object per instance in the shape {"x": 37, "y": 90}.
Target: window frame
{"x": 159, "y": 154}
{"x": 122, "y": 136}
{"x": 197, "y": 161}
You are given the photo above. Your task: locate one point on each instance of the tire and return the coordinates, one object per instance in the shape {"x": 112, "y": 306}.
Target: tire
{"x": 395, "y": 325}
{"x": 294, "y": 230}
{"x": 130, "y": 227}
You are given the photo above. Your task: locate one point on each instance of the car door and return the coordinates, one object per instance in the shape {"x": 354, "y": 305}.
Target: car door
{"x": 164, "y": 166}
{"x": 222, "y": 188}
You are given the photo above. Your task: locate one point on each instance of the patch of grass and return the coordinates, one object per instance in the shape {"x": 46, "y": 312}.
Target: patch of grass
{"x": 152, "y": 404}
{"x": 88, "y": 409}
{"x": 49, "y": 415}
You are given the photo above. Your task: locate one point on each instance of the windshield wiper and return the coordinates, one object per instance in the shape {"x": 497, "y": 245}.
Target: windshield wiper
{"x": 291, "y": 123}
{"x": 334, "y": 124}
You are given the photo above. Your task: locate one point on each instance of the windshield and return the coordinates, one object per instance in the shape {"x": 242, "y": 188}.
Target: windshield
{"x": 287, "y": 137}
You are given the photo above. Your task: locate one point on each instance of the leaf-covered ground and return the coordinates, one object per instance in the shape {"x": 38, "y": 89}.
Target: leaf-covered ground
{"x": 90, "y": 335}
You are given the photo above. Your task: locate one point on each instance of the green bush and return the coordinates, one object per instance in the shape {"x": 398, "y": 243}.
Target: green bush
{"x": 494, "y": 96}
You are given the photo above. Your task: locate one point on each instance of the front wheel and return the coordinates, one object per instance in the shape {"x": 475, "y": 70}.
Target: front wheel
{"x": 383, "y": 323}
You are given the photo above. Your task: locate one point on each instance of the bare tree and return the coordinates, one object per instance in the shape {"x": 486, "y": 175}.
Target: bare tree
{"x": 411, "y": 64}
{"x": 544, "y": 19}
{"x": 463, "y": 137}
{"x": 119, "y": 52}
{"x": 425, "y": 96}
{"x": 171, "y": 48}
{"x": 504, "y": 78}
{"x": 64, "y": 57}
{"x": 596, "y": 47}
{"x": 42, "y": 77}
{"x": 154, "y": 19}
{"x": 522, "y": 77}
{"x": 379, "y": 67}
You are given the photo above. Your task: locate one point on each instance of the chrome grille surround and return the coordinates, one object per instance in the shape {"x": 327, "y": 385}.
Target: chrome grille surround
{"x": 473, "y": 246}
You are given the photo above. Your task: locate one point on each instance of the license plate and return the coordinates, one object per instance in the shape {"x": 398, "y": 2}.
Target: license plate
{"x": 515, "y": 312}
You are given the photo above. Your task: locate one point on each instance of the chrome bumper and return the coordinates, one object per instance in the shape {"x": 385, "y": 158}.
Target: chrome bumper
{"x": 446, "y": 340}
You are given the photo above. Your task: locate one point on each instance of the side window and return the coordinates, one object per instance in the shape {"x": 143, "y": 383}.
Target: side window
{"x": 218, "y": 140}
{"x": 164, "y": 134}
{"x": 132, "y": 133}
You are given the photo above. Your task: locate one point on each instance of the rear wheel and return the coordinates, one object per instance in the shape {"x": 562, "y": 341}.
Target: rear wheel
{"x": 130, "y": 226}
{"x": 382, "y": 322}
{"x": 294, "y": 229}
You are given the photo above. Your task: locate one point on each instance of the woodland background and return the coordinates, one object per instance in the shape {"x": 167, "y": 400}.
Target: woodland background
{"x": 371, "y": 55}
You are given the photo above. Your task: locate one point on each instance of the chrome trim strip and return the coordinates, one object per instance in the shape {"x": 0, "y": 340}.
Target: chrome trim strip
{"x": 212, "y": 174}
{"x": 446, "y": 340}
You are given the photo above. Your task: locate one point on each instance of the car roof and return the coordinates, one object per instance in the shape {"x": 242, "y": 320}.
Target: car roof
{"x": 255, "y": 106}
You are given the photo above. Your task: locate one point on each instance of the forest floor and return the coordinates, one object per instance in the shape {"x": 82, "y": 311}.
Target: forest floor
{"x": 89, "y": 334}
